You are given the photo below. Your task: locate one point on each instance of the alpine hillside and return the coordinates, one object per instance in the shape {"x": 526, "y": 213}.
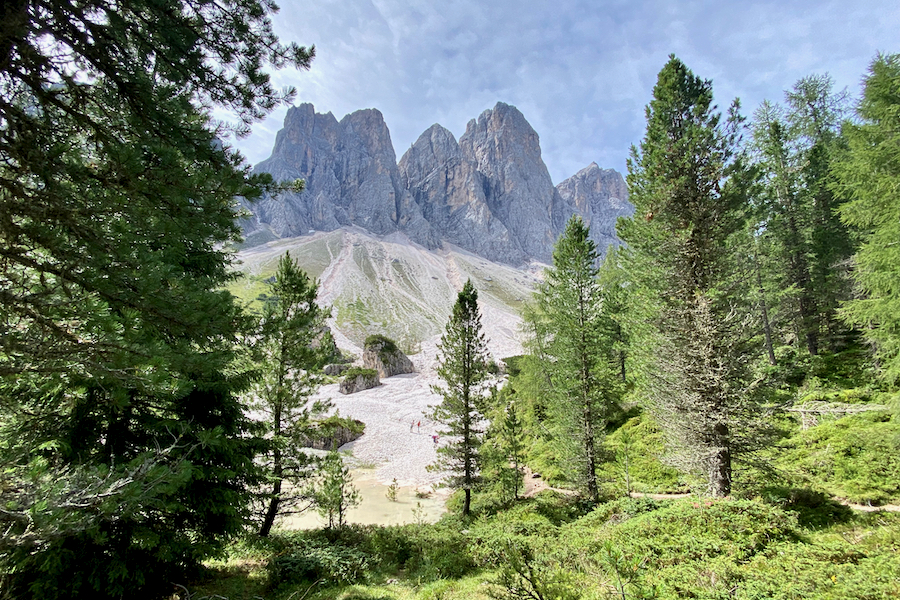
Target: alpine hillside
{"x": 391, "y": 286}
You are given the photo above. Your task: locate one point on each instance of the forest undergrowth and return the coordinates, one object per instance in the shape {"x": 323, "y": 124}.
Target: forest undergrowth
{"x": 784, "y": 533}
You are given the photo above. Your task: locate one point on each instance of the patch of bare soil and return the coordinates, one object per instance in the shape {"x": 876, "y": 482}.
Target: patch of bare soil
{"x": 535, "y": 484}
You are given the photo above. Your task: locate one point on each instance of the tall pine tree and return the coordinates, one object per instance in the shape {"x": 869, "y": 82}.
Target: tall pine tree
{"x": 127, "y": 457}
{"x": 575, "y": 338}
{"x": 463, "y": 369}
{"x": 687, "y": 184}
{"x": 291, "y": 356}
{"x": 869, "y": 175}
{"x": 804, "y": 247}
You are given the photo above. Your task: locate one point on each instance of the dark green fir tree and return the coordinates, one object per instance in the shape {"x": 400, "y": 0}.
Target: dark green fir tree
{"x": 688, "y": 185}
{"x": 126, "y": 455}
{"x": 292, "y": 347}
{"x": 869, "y": 175}
{"x": 463, "y": 367}
{"x": 575, "y": 339}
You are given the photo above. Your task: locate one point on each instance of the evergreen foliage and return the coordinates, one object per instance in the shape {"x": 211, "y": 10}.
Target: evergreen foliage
{"x": 805, "y": 247}
{"x": 333, "y": 492}
{"x": 126, "y": 455}
{"x": 574, "y": 337}
{"x": 688, "y": 184}
{"x": 290, "y": 357}
{"x": 354, "y": 372}
{"x": 868, "y": 175}
{"x": 463, "y": 368}
{"x": 386, "y": 344}
{"x": 503, "y": 450}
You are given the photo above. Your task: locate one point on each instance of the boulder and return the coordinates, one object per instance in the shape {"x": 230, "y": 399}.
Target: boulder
{"x": 357, "y": 380}
{"x": 332, "y": 436}
{"x": 381, "y": 354}
{"x": 335, "y": 369}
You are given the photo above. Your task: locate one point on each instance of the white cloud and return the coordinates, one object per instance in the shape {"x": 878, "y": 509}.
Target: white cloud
{"x": 580, "y": 71}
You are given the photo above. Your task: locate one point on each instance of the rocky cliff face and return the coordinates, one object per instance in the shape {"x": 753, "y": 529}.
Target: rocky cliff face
{"x": 490, "y": 193}
{"x": 518, "y": 189}
{"x": 600, "y": 196}
{"x": 351, "y": 176}
{"x": 453, "y": 197}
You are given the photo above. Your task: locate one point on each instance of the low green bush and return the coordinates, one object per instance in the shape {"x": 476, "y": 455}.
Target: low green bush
{"x": 638, "y": 444}
{"x": 318, "y": 560}
{"x": 335, "y": 421}
{"x": 856, "y": 457}
{"x": 387, "y": 344}
{"x": 814, "y": 509}
{"x": 354, "y": 372}
{"x": 695, "y": 529}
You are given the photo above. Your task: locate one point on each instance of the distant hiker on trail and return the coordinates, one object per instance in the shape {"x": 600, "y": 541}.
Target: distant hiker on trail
{"x": 419, "y": 427}
{"x": 435, "y": 438}
{"x": 411, "y": 426}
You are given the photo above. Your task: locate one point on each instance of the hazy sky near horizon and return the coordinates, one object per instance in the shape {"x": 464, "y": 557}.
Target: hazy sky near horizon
{"x": 580, "y": 71}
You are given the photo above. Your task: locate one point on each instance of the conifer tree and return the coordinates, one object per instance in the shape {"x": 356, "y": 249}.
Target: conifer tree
{"x": 333, "y": 492}
{"x": 291, "y": 357}
{"x": 503, "y": 449}
{"x": 578, "y": 348}
{"x": 686, "y": 182}
{"x": 805, "y": 246}
{"x": 127, "y": 457}
{"x": 869, "y": 175}
{"x": 463, "y": 368}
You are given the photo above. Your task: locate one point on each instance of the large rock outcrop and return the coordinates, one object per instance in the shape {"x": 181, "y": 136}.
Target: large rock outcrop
{"x": 600, "y": 196}
{"x": 451, "y": 194}
{"x": 383, "y": 356}
{"x": 351, "y": 177}
{"x": 506, "y": 150}
{"x": 333, "y": 433}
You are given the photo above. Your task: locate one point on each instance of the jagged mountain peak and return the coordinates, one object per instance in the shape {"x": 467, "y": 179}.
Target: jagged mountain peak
{"x": 436, "y": 144}
{"x": 600, "y": 196}
{"x": 502, "y": 133}
{"x": 489, "y": 193}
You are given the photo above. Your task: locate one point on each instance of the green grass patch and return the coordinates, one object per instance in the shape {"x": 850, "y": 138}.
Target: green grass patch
{"x": 354, "y": 372}
{"x": 855, "y": 457}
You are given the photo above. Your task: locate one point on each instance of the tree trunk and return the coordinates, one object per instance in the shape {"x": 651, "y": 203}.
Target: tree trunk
{"x": 591, "y": 467}
{"x": 767, "y": 327}
{"x": 272, "y": 511}
{"x": 468, "y": 474}
{"x": 277, "y": 472}
{"x": 720, "y": 463}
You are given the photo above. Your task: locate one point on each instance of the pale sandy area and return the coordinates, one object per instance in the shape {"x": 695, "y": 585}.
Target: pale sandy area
{"x": 398, "y": 442}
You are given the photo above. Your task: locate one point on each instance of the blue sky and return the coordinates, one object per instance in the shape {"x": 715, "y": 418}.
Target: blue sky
{"x": 581, "y": 72}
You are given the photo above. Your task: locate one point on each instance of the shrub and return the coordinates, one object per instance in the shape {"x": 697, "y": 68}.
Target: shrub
{"x": 354, "y": 372}
{"x": 387, "y": 344}
{"x": 703, "y": 529}
{"x": 318, "y": 561}
{"x": 856, "y": 457}
{"x": 331, "y": 424}
{"x": 813, "y": 509}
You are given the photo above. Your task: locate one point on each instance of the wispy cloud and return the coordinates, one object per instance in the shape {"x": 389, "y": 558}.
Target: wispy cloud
{"x": 580, "y": 71}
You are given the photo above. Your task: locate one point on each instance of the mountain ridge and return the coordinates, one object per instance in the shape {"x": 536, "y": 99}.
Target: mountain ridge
{"x": 489, "y": 193}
